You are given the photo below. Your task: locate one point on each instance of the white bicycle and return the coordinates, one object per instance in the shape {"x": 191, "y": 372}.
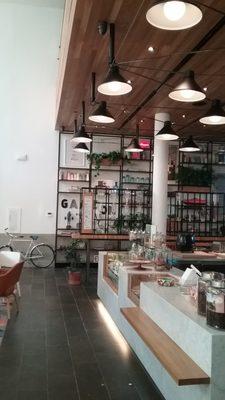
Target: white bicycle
{"x": 40, "y": 255}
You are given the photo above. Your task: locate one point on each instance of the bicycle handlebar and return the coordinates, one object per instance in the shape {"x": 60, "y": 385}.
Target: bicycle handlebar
{"x": 9, "y": 234}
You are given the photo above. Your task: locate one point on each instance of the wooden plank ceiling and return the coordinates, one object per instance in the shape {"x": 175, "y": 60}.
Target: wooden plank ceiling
{"x": 84, "y": 51}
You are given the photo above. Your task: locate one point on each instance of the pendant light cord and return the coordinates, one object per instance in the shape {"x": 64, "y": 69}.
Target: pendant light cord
{"x": 111, "y": 44}
{"x": 93, "y": 81}
{"x": 83, "y": 113}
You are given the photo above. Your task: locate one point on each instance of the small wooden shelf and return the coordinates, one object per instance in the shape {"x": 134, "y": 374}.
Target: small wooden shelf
{"x": 99, "y": 236}
{"x": 178, "y": 364}
{"x": 77, "y": 192}
{"x": 72, "y": 180}
{"x": 76, "y": 168}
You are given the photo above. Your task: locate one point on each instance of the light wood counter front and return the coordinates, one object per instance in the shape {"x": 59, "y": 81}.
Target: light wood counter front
{"x": 177, "y": 363}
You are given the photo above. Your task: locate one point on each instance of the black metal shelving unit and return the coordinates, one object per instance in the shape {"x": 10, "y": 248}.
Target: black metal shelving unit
{"x": 118, "y": 211}
{"x": 140, "y": 168}
{"x": 191, "y": 207}
{"x": 204, "y": 213}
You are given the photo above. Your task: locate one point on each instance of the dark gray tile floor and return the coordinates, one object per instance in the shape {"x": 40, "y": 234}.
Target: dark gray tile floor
{"x": 59, "y": 347}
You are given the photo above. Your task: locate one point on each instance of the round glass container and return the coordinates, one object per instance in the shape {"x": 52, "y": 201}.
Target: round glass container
{"x": 215, "y": 304}
{"x": 204, "y": 282}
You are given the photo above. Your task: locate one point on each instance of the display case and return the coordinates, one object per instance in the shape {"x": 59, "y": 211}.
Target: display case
{"x": 136, "y": 277}
{"x": 112, "y": 263}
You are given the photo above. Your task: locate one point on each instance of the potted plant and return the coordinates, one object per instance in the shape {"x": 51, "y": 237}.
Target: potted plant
{"x": 111, "y": 158}
{"x": 74, "y": 269}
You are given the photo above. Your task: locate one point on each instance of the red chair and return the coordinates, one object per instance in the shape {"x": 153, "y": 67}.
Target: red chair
{"x": 8, "y": 280}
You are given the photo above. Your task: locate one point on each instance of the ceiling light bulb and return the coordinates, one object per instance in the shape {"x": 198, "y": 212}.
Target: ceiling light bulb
{"x": 151, "y": 49}
{"x": 174, "y": 15}
{"x": 189, "y": 146}
{"x": 215, "y": 115}
{"x": 188, "y": 90}
{"x": 167, "y": 132}
{"x": 186, "y": 94}
{"x": 114, "y": 84}
{"x": 101, "y": 114}
{"x": 174, "y": 10}
{"x": 167, "y": 136}
{"x": 215, "y": 119}
{"x": 81, "y": 148}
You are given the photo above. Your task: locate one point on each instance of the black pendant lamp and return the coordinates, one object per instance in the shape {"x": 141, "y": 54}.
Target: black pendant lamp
{"x": 215, "y": 115}
{"x": 174, "y": 15}
{"x": 80, "y": 135}
{"x": 188, "y": 90}
{"x": 82, "y": 148}
{"x": 101, "y": 115}
{"x": 134, "y": 146}
{"x": 167, "y": 132}
{"x": 114, "y": 84}
{"x": 189, "y": 146}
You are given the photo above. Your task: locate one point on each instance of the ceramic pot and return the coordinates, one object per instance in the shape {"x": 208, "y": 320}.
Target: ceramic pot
{"x": 74, "y": 278}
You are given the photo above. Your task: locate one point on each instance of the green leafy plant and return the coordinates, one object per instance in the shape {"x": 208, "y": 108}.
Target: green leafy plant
{"x": 194, "y": 177}
{"x": 72, "y": 256}
{"x": 113, "y": 156}
{"x": 133, "y": 221}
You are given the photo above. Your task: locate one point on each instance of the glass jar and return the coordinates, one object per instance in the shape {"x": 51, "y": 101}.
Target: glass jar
{"x": 215, "y": 304}
{"x": 204, "y": 281}
{"x": 160, "y": 263}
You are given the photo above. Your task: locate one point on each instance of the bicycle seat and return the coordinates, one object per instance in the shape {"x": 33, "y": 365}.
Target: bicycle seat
{"x": 34, "y": 237}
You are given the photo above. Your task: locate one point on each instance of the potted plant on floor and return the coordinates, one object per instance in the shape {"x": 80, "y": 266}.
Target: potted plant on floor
{"x": 74, "y": 269}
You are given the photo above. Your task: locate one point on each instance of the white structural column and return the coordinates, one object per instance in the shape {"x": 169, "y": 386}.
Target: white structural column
{"x": 160, "y": 176}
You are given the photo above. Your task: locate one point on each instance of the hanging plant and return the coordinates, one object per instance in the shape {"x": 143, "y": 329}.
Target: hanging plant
{"x": 194, "y": 177}
{"x": 114, "y": 157}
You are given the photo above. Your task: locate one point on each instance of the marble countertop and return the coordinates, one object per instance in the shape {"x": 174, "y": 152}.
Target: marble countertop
{"x": 182, "y": 303}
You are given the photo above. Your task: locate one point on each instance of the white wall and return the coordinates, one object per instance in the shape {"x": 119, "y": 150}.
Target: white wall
{"x": 29, "y": 41}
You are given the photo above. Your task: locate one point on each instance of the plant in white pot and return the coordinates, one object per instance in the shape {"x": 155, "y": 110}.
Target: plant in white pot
{"x": 74, "y": 269}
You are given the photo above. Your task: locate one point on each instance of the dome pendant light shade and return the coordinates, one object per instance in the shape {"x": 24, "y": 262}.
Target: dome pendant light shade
{"x": 189, "y": 146}
{"x": 81, "y": 148}
{"x": 114, "y": 84}
{"x": 215, "y": 115}
{"x": 188, "y": 90}
{"x": 174, "y": 15}
{"x": 81, "y": 136}
{"x": 167, "y": 132}
{"x": 101, "y": 115}
{"x": 134, "y": 146}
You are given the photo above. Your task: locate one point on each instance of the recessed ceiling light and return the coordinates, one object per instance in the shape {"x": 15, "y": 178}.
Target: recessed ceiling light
{"x": 129, "y": 81}
{"x": 184, "y": 116}
{"x": 173, "y": 123}
{"x": 205, "y": 89}
{"x": 151, "y": 49}
{"x": 142, "y": 120}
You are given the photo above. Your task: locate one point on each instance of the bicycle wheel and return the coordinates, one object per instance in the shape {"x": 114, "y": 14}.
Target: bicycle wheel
{"x": 5, "y": 247}
{"x": 42, "y": 255}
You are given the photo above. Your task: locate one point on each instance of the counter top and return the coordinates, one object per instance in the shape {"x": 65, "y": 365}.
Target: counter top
{"x": 183, "y": 303}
